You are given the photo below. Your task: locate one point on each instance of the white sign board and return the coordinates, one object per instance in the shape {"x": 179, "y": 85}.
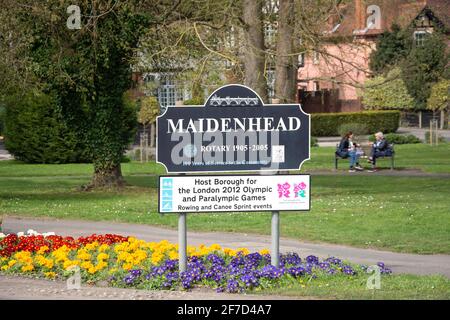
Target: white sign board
{"x": 225, "y": 193}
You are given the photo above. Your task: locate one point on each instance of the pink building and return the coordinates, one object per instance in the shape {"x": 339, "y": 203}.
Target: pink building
{"x": 330, "y": 77}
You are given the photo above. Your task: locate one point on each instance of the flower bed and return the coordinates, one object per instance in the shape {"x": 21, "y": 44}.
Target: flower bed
{"x": 129, "y": 262}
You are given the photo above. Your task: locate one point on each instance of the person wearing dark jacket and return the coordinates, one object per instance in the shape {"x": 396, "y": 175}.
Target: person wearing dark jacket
{"x": 380, "y": 148}
{"x": 347, "y": 149}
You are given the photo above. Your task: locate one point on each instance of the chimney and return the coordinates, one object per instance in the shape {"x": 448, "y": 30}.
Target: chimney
{"x": 359, "y": 15}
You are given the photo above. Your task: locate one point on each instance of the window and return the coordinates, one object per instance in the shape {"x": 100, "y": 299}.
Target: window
{"x": 316, "y": 86}
{"x": 168, "y": 92}
{"x": 270, "y": 33}
{"x": 271, "y": 83}
{"x": 419, "y": 38}
{"x": 316, "y": 56}
{"x": 301, "y": 60}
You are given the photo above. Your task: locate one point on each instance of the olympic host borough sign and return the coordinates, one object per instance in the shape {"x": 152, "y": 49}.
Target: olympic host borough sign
{"x": 233, "y": 131}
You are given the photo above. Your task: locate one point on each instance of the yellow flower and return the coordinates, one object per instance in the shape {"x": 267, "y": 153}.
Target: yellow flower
{"x": 43, "y": 250}
{"x": 229, "y": 252}
{"x": 102, "y": 256}
{"x": 11, "y": 263}
{"x": 127, "y": 266}
{"x": 101, "y": 265}
{"x": 24, "y": 257}
{"x": 28, "y": 267}
{"x": 103, "y": 248}
{"x": 91, "y": 246}
{"x": 86, "y": 265}
{"x": 173, "y": 255}
{"x": 156, "y": 257}
{"x": 69, "y": 263}
{"x": 83, "y": 255}
{"x": 5, "y": 267}
{"x": 215, "y": 247}
{"x": 50, "y": 275}
{"x": 92, "y": 270}
{"x": 264, "y": 251}
{"x": 244, "y": 251}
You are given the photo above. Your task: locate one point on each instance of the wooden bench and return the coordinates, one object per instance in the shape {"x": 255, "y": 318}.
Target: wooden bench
{"x": 392, "y": 156}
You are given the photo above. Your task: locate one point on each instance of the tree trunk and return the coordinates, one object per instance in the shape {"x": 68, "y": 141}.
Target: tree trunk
{"x": 254, "y": 52}
{"x": 286, "y": 63}
{"x": 108, "y": 178}
{"x": 152, "y": 135}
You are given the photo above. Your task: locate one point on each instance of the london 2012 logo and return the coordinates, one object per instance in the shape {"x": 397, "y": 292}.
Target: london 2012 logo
{"x": 299, "y": 190}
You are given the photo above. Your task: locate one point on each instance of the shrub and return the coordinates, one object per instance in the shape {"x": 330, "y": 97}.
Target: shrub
{"x": 327, "y": 124}
{"x": 36, "y": 133}
{"x": 399, "y": 138}
{"x": 196, "y": 101}
{"x": 314, "y": 142}
{"x": 2, "y": 119}
{"x": 357, "y": 129}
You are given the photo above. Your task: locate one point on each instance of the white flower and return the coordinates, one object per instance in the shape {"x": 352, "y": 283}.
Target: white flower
{"x": 20, "y": 234}
{"x": 2, "y": 235}
{"x": 46, "y": 234}
{"x": 31, "y": 232}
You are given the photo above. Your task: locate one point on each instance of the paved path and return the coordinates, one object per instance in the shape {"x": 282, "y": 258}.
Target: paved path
{"x": 399, "y": 262}
{"x": 18, "y": 288}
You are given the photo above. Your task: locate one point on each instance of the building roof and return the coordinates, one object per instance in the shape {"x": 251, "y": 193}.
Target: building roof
{"x": 353, "y": 16}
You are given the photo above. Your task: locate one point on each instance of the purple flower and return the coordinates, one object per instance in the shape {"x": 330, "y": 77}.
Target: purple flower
{"x": 312, "y": 259}
{"x": 232, "y": 285}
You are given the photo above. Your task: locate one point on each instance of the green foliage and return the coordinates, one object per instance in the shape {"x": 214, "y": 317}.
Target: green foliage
{"x": 392, "y": 47}
{"x": 399, "y": 138}
{"x": 90, "y": 70}
{"x": 440, "y": 96}
{"x": 356, "y": 128}
{"x": 196, "y": 101}
{"x": 314, "y": 142}
{"x": 149, "y": 110}
{"x": 35, "y": 132}
{"x": 2, "y": 119}
{"x": 327, "y": 124}
{"x": 424, "y": 66}
{"x": 387, "y": 92}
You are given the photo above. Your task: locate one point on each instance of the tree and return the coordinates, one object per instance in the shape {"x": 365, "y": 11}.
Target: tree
{"x": 392, "y": 48}
{"x": 424, "y": 66}
{"x": 254, "y": 56}
{"x": 387, "y": 92}
{"x": 286, "y": 61}
{"x": 149, "y": 110}
{"x": 89, "y": 71}
{"x": 35, "y": 132}
{"x": 439, "y": 98}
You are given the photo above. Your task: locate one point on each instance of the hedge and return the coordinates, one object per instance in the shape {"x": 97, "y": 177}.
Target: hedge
{"x": 327, "y": 124}
{"x": 35, "y": 132}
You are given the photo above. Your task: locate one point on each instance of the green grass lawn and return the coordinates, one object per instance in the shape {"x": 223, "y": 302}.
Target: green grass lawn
{"x": 404, "y": 214}
{"x": 392, "y": 287}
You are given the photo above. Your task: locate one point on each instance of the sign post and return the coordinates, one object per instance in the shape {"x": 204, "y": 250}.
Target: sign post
{"x": 275, "y": 250}
{"x": 233, "y": 131}
{"x": 182, "y": 242}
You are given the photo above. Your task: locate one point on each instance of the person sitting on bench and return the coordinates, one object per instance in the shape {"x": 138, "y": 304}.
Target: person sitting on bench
{"x": 380, "y": 148}
{"x": 347, "y": 149}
